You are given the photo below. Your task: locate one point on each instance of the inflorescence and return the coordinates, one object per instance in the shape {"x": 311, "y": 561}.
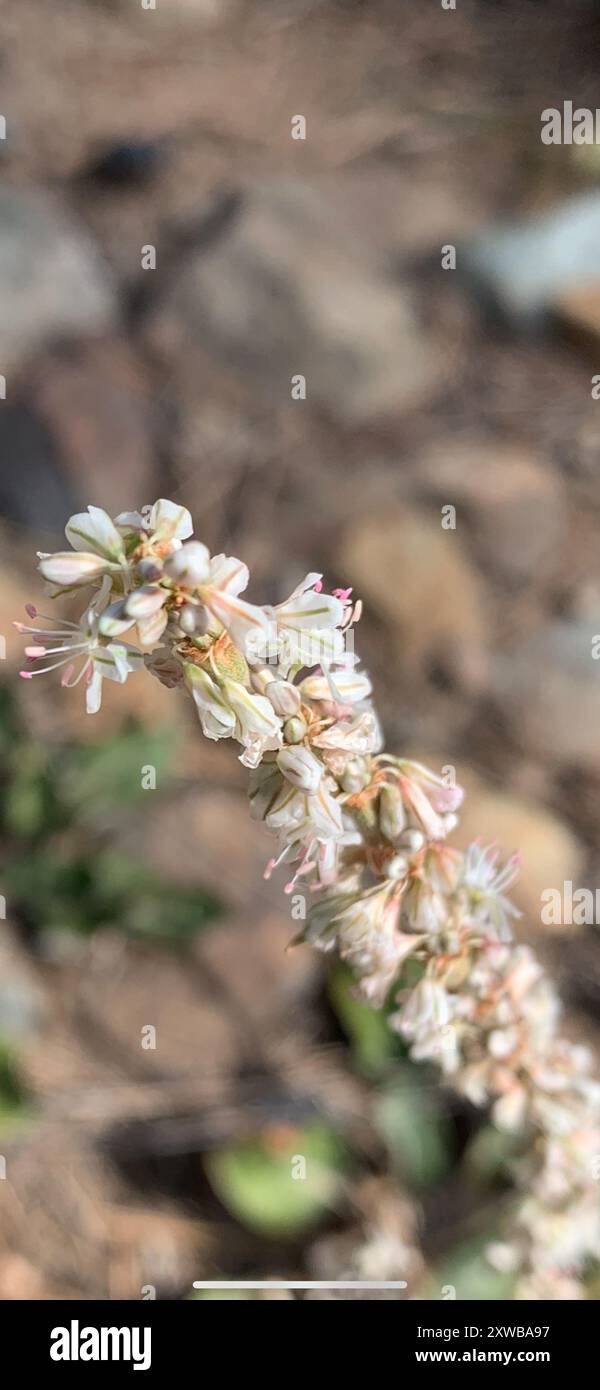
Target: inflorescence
{"x": 365, "y": 833}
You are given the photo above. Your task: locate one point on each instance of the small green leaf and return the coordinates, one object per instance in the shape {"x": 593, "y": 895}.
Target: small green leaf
{"x": 12, "y": 1096}
{"x": 467, "y": 1271}
{"x": 372, "y": 1042}
{"x": 417, "y": 1135}
{"x": 488, "y": 1156}
{"x": 282, "y": 1183}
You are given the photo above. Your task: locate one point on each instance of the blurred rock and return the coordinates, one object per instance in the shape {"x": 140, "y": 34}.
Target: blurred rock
{"x": 579, "y": 310}
{"x": 218, "y": 846}
{"x": 286, "y": 288}
{"x": 53, "y": 280}
{"x": 62, "y": 1185}
{"x": 95, "y": 401}
{"x": 418, "y": 578}
{"x": 550, "y": 688}
{"x": 21, "y": 995}
{"x": 246, "y": 956}
{"x": 526, "y": 269}
{"x": 33, "y": 490}
{"x": 149, "y": 1247}
{"x": 126, "y": 164}
{"x": 549, "y": 851}
{"x": 14, "y": 594}
{"x": 77, "y": 430}
{"x": 270, "y": 982}
{"x": 511, "y": 499}
{"x": 127, "y": 992}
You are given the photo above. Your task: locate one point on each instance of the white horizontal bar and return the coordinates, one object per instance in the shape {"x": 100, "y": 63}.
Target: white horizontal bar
{"x": 300, "y": 1284}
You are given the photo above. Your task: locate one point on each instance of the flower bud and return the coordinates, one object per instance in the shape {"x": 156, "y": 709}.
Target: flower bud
{"x": 301, "y": 768}
{"x": 149, "y": 568}
{"x": 396, "y": 867}
{"x": 68, "y": 567}
{"x": 141, "y": 603}
{"x": 285, "y": 698}
{"x": 392, "y": 813}
{"x": 187, "y": 619}
{"x": 356, "y": 775}
{"x": 413, "y": 841}
{"x": 189, "y": 565}
{"x": 294, "y": 730}
{"x": 115, "y": 620}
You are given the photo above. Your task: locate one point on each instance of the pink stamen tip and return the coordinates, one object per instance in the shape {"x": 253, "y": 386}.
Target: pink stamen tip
{"x": 89, "y": 674}
{"x": 32, "y": 652}
{"x": 19, "y": 626}
{"x": 269, "y": 868}
{"x": 289, "y": 887}
{"x": 318, "y": 586}
{"x": 66, "y": 675}
{"x": 26, "y": 675}
{"x": 344, "y": 594}
{"x": 31, "y": 610}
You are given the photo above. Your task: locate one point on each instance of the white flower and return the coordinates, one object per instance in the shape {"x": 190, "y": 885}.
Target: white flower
{"x": 165, "y": 523}
{"x": 94, "y": 532}
{"x": 365, "y": 928}
{"x": 256, "y": 724}
{"x": 308, "y": 625}
{"x": 510, "y": 1110}
{"x": 303, "y": 821}
{"x": 97, "y": 550}
{"x": 348, "y": 739}
{"x": 284, "y": 697}
{"x": 81, "y": 642}
{"x": 428, "y": 798}
{"x": 228, "y": 710}
{"x": 216, "y": 716}
{"x": 249, "y": 626}
{"x": 424, "y": 906}
{"x": 345, "y": 686}
{"x": 301, "y": 768}
{"x": 144, "y": 606}
{"x": 427, "y": 1010}
{"x": 485, "y": 883}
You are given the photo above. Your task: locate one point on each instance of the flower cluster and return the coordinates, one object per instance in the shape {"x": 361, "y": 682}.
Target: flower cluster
{"x": 421, "y": 924}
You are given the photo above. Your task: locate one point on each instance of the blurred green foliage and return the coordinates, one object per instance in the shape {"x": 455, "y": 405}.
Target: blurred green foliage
{"x": 13, "y": 1110}
{"x": 283, "y": 1182}
{"x": 372, "y": 1043}
{"x": 468, "y": 1272}
{"x": 414, "y": 1127}
{"x": 60, "y": 865}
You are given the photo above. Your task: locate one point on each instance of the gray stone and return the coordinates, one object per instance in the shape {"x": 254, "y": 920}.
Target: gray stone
{"x": 21, "y": 998}
{"x": 510, "y": 499}
{"x": 526, "y": 268}
{"x": 52, "y": 279}
{"x": 550, "y": 685}
{"x": 287, "y": 289}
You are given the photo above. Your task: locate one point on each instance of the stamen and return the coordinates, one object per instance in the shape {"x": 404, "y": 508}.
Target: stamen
{"x": 85, "y": 673}
{"x": 43, "y": 670}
